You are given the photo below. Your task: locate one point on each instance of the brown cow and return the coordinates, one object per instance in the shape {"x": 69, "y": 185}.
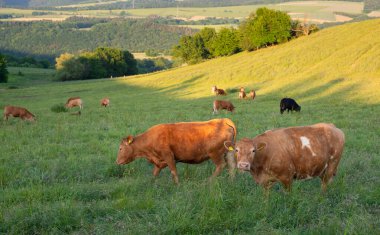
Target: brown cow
{"x": 222, "y": 104}
{"x": 20, "y": 112}
{"x": 217, "y": 91}
{"x": 242, "y": 94}
{"x": 252, "y": 94}
{"x": 188, "y": 142}
{"x": 74, "y": 102}
{"x": 292, "y": 153}
{"x": 105, "y": 102}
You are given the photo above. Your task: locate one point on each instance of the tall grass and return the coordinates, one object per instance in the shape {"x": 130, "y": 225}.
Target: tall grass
{"x": 58, "y": 175}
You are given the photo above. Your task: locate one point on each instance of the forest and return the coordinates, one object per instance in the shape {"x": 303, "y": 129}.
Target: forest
{"x": 50, "y": 39}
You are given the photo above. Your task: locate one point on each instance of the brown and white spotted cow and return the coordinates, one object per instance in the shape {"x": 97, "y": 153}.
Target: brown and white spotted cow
{"x": 187, "y": 142}
{"x": 218, "y": 91}
{"x": 292, "y": 153}
{"x": 242, "y": 94}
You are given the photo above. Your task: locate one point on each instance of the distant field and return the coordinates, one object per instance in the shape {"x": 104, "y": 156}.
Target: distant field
{"x": 58, "y": 175}
{"x": 315, "y": 11}
{"x": 27, "y": 76}
{"x": 215, "y": 26}
{"x": 92, "y": 3}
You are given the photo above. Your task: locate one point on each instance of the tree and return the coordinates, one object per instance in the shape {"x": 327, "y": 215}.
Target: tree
{"x": 191, "y": 49}
{"x": 103, "y": 62}
{"x": 116, "y": 62}
{"x": 3, "y": 69}
{"x": 226, "y": 42}
{"x": 208, "y": 36}
{"x": 265, "y": 27}
{"x": 69, "y": 68}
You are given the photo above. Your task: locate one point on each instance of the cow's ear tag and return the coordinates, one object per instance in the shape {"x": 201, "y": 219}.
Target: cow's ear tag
{"x": 130, "y": 141}
{"x": 230, "y": 148}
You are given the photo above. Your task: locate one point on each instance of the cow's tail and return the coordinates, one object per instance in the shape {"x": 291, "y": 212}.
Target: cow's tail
{"x": 232, "y": 125}
{"x": 230, "y": 157}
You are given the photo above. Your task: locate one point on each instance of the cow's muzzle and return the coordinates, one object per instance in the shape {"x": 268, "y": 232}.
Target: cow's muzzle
{"x": 245, "y": 166}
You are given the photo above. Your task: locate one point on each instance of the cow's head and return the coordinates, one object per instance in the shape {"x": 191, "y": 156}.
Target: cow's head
{"x": 30, "y": 117}
{"x": 298, "y": 108}
{"x": 231, "y": 108}
{"x": 125, "y": 154}
{"x": 245, "y": 152}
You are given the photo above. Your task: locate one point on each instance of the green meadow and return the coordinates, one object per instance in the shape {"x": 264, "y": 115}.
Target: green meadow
{"x": 58, "y": 174}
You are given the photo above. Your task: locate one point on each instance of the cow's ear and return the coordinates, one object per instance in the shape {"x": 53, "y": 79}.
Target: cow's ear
{"x": 129, "y": 139}
{"x": 260, "y": 147}
{"x": 229, "y": 145}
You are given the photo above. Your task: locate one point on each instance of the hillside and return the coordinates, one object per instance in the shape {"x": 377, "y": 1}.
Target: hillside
{"x": 340, "y": 61}
{"x": 50, "y": 39}
{"x": 58, "y": 174}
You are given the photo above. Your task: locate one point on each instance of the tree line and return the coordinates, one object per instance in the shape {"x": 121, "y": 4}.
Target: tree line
{"x": 3, "y": 69}
{"x": 100, "y": 63}
{"x": 263, "y": 28}
{"x": 50, "y": 39}
{"x": 105, "y": 62}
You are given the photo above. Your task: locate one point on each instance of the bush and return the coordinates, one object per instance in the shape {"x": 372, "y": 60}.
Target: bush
{"x": 59, "y": 108}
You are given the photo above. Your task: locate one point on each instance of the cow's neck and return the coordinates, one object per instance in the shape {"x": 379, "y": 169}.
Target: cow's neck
{"x": 139, "y": 147}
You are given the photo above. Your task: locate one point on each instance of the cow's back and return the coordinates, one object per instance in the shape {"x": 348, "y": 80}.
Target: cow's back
{"x": 192, "y": 142}
{"x": 306, "y": 150}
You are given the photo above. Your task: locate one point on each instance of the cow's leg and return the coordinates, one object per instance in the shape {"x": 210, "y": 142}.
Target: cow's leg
{"x": 231, "y": 163}
{"x": 219, "y": 162}
{"x": 156, "y": 170}
{"x": 5, "y": 117}
{"x": 170, "y": 161}
{"x": 287, "y": 183}
{"x": 329, "y": 173}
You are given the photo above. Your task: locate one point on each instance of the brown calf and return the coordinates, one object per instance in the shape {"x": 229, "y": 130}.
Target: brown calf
{"x": 20, "y": 112}
{"x": 187, "y": 142}
{"x": 252, "y": 94}
{"x": 222, "y": 104}
{"x": 292, "y": 153}
{"x": 105, "y": 102}
{"x": 74, "y": 102}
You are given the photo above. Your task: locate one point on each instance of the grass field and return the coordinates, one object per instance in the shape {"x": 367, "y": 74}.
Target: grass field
{"x": 58, "y": 175}
{"x": 315, "y": 11}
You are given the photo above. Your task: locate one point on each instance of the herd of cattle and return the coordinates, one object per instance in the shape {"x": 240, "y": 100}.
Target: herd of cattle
{"x": 279, "y": 155}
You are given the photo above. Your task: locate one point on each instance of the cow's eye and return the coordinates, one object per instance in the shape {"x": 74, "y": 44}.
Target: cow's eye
{"x": 237, "y": 150}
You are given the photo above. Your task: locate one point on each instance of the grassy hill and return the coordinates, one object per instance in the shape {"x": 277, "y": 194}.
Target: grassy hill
{"x": 58, "y": 175}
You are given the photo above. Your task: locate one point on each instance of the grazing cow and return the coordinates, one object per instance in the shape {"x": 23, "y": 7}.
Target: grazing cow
{"x": 242, "y": 94}
{"x": 252, "y": 94}
{"x": 73, "y": 102}
{"x": 222, "y": 104}
{"x": 105, "y": 102}
{"x": 292, "y": 153}
{"x": 187, "y": 142}
{"x": 289, "y": 104}
{"x": 20, "y": 112}
{"x": 217, "y": 91}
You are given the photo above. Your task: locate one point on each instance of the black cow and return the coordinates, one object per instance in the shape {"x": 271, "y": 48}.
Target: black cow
{"x": 289, "y": 104}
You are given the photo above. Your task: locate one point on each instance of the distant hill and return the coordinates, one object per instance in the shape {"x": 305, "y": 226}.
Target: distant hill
{"x": 50, "y": 39}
